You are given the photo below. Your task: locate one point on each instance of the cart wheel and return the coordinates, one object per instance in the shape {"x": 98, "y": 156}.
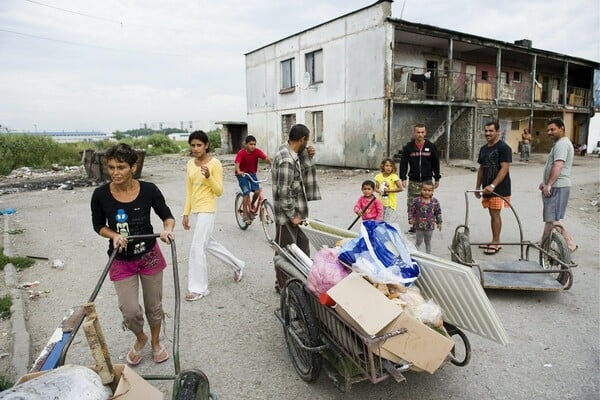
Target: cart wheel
{"x": 461, "y": 247}
{"x": 239, "y": 213}
{"x": 466, "y": 345}
{"x": 191, "y": 384}
{"x": 556, "y": 246}
{"x": 299, "y": 323}
{"x": 267, "y": 217}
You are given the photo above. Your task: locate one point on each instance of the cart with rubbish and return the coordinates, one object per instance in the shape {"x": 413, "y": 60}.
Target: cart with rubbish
{"x": 189, "y": 384}
{"x": 317, "y": 337}
{"x": 550, "y": 272}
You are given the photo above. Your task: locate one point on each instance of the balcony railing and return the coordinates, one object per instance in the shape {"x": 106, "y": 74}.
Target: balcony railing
{"x": 412, "y": 83}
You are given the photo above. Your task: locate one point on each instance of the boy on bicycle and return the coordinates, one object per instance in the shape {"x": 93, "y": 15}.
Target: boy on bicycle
{"x": 246, "y": 165}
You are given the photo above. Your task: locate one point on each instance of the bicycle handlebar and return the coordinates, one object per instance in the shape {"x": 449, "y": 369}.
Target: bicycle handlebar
{"x": 254, "y": 180}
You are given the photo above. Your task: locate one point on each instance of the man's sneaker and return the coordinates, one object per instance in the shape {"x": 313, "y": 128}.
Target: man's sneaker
{"x": 412, "y": 230}
{"x": 237, "y": 275}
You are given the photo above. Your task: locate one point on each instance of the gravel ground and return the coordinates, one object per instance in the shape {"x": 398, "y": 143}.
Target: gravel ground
{"x": 233, "y": 335}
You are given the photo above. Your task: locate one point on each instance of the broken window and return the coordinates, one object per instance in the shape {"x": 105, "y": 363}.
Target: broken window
{"x": 517, "y": 76}
{"x": 484, "y": 75}
{"x": 287, "y": 121}
{"x": 314, "y": 66}
{"x": 287, "y": 74}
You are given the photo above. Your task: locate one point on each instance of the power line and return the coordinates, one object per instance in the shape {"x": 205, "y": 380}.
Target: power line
{"x": 76, "y": 12}
{"x": 88, "y": 45}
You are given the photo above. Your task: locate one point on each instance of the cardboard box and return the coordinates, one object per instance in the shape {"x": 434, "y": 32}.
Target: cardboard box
{"x": 364, "y": 307}
{"x": 129, "y": 385}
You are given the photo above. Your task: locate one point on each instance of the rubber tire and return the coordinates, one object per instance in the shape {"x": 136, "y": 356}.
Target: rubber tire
{"x": 558, "y": 247}
{"x": 462, "y": 246}
{"x": 239, "y": 216}
{"x": 267, "y": 218}
{"x": 191, "y": 384}
{"x": 454, "y": 331}
{"x": 297, "y": 315}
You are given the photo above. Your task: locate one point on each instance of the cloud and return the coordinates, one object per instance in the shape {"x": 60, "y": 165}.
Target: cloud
{"x": 125, "y": 63}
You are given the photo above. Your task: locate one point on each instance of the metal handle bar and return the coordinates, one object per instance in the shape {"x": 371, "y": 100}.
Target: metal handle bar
{"x": 94, "y": 294}
{"x": 254, "y": 180}
{"x": 511, "y": 208}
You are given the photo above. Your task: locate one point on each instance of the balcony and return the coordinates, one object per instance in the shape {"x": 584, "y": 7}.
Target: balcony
{"x": 414, "y": 84}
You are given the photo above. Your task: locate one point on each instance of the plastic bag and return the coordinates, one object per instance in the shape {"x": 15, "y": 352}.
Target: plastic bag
{"x": 429, "y": 313}
{"x": 326, "y": 271}
{"x": 381, "y": 254}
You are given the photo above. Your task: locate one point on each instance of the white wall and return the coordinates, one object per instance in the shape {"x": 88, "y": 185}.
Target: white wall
{"x": 594, "y": 133}
{"x": 351, "y": 97}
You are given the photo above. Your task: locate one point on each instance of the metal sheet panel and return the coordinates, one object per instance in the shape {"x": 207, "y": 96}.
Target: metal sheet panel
{"x": 455, "y": 288}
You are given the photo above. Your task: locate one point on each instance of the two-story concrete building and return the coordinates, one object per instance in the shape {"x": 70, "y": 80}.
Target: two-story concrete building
{"x": 361, "y": 82}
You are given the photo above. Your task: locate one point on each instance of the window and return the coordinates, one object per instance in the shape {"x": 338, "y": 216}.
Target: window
{"x": 484, "y": 75}
{"x": 288, "y": 80}
{"x": 515, "y": 125}
{"x": 517, "y": 76}
{"x": 317, "y": 126}
{"x": 314, "y": 66}
{"x": 287, "y": 121}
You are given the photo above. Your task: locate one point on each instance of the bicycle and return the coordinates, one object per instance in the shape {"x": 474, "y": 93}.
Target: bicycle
{"x": 261, "y": 207}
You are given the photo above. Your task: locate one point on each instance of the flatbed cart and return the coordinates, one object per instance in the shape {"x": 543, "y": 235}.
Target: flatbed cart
{"x": 551, "y": 271}
{"x": 317, "y": 337}
{"x": 190, "y": 384}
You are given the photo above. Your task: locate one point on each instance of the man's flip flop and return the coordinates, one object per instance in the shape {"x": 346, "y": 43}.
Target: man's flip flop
{"x": 490, "y": 251}
{"x": 484, "y": 246}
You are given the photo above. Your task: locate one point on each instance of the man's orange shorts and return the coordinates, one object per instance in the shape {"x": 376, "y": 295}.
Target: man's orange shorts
{"x": 495, "y": 202}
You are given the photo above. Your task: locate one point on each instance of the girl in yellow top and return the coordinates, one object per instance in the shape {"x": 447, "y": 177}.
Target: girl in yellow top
{"x": 387, "y": 184}
{"x": 204, "y": 183}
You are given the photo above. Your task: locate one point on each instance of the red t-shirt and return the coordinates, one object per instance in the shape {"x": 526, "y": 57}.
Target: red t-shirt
{"x": 249, "y": 161}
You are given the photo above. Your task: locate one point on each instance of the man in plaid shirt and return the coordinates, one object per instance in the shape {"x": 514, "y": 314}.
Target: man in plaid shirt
{"x": 294, "y": 185}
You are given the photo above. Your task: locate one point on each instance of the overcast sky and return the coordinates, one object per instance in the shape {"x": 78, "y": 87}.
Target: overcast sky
{"x": 114, "y": 65}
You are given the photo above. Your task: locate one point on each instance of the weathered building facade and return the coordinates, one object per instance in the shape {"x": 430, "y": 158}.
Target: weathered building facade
{"x": 362, "y": 81}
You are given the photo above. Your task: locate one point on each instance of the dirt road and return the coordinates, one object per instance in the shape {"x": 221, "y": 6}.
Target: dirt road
{"x": 234, "y": 337}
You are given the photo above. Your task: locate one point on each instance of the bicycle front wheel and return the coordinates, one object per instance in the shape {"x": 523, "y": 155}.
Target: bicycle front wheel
{"x": 267, "y": 218}
{"x": 239, "y": 212}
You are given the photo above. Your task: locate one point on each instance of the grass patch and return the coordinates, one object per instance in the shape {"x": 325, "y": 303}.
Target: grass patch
{"x": 5, "y": 383}
{"x": 20, "y": 263}
{"x": 16, "y": 231}
{"x": 5, "y": 304}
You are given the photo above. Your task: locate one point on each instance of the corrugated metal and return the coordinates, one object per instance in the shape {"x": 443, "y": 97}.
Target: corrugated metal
{"x": 455, "y": 288}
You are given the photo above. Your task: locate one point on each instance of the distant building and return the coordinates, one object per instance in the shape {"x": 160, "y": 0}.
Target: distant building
{"x": 179, "y": 136}
{"x": 71, "y": 137}
{"x": 361, "y": 82}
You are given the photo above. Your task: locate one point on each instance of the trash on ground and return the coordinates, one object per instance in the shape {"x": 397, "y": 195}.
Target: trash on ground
{"x": 58, "y": 264}
{"x": 27, "y": 285}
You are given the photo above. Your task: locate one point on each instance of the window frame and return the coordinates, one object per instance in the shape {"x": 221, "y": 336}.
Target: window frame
{"x": 291, "y": 86}
{"x": 318, "y": 127}
{"x": 313, "y": 64}
{"x": 515, "y": 78}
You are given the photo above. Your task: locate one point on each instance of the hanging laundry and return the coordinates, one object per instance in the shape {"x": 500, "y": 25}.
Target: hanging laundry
{"x": 420, "y": 79}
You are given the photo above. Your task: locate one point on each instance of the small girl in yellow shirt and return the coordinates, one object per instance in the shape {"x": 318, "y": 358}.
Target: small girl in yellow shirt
{"x": 387, "y": 184}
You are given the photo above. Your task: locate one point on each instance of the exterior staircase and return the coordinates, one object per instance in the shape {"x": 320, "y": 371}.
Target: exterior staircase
{"x": 441, "y": 130}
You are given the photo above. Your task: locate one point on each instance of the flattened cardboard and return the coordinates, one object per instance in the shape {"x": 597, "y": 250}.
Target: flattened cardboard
{"x": 421, "y": 345}
{"x": 131, "y": 386}
{"x": 366, "y": 306}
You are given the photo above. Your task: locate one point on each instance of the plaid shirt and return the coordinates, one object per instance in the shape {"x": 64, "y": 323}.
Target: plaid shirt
{"x": 294, "y": 184}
